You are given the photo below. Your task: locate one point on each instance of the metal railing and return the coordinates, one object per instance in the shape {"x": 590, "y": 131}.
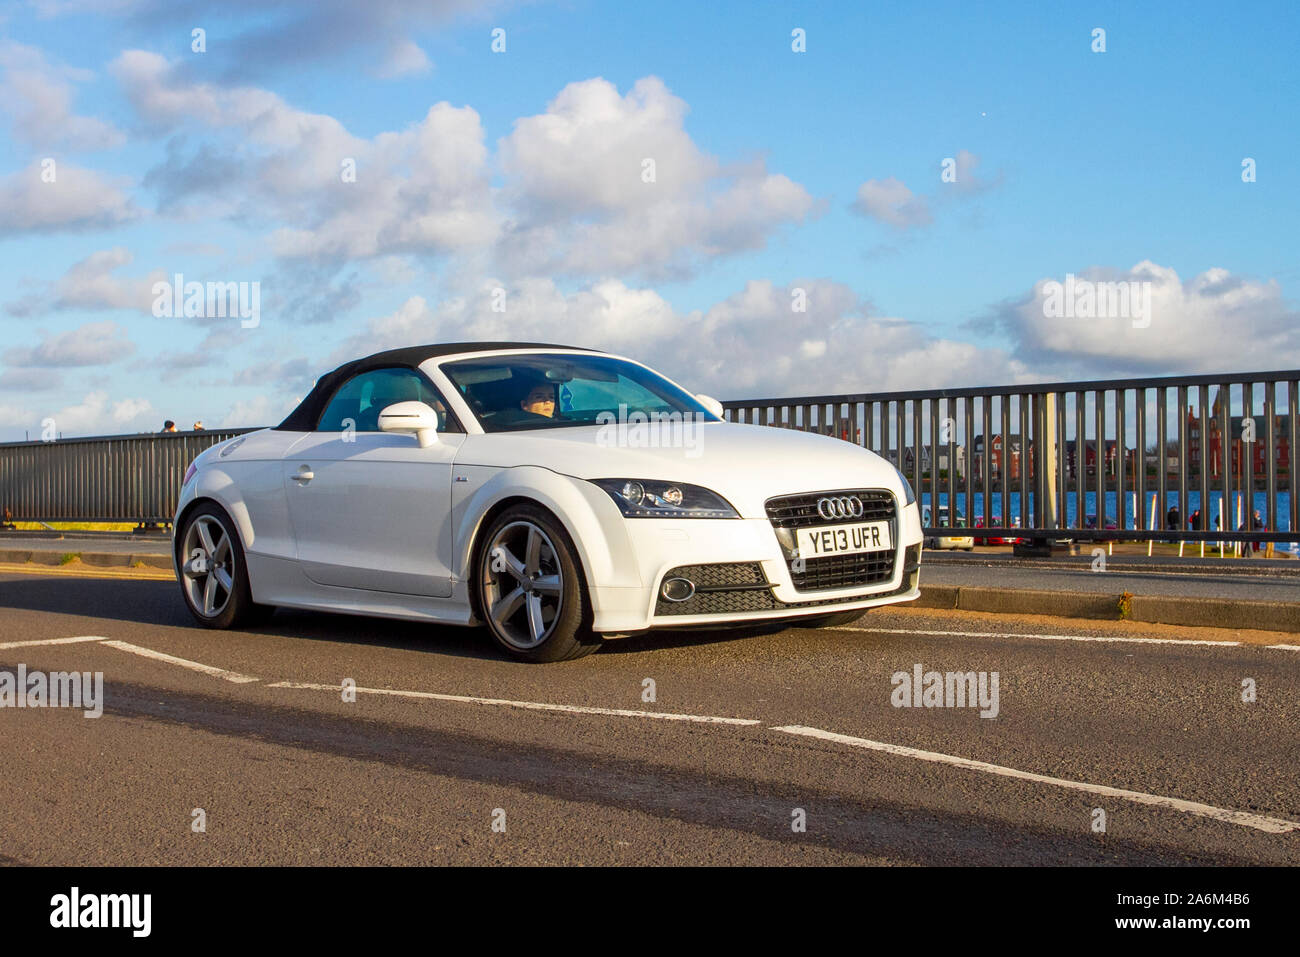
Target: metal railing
{"x": 115, "y": 478}
{"x": 1105, "y": 460}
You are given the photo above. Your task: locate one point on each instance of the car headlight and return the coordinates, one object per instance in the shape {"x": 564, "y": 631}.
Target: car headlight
{"x": 907, "y": 487}
{"x": 647, "y": 498}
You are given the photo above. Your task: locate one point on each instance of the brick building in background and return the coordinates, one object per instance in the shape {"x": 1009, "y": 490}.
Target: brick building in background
{"x": 1211, "y": 439}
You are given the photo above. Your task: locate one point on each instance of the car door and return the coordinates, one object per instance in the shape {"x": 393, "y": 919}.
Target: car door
{"x": 369, "y": 509}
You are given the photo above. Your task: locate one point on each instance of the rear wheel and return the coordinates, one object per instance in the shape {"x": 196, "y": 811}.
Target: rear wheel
{"x": 214, "y": 575}
{"x": 530, "y": 589}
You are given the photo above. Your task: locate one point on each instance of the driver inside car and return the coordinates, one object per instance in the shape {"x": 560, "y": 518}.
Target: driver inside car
{"x": 540, "y": 400}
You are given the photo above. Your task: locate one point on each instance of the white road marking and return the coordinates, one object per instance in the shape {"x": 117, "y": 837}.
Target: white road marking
{"x": 1272, "y": 825}
{"x": 1010, "y": 634}
{"x": 215, "y": 672}
{"x": 51, "y": 641}
{"x": 528, "y": 705}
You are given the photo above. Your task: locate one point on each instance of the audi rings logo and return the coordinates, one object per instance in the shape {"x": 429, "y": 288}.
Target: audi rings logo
{"x": 839, "y": 506}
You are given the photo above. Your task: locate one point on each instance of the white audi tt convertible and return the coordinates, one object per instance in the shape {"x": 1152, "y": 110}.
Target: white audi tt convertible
{"x": 557, "y": 496}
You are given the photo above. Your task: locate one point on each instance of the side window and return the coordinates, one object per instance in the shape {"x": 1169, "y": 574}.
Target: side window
{"x": 364, "y": 396}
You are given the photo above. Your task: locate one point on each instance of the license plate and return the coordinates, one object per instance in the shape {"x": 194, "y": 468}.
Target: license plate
{"x": 850, "y": 539}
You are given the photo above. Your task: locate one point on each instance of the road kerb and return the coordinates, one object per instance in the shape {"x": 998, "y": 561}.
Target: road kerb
{"x": 1234, "y": 614}
{"x": 1218, "y": 613}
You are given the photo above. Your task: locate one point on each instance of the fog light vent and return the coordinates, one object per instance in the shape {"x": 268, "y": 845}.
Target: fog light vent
{"x": 677, "y": 589}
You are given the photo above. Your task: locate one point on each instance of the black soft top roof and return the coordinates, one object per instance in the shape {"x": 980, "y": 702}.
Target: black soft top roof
{"x": 305, "y": 417}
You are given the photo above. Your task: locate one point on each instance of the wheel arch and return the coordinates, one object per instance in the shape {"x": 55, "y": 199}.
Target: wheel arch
{"x": 238, "y": 517}
{"x": 601, "y": 544}
{"x": 217, "y": 485}
{"x": 480, "y": 538}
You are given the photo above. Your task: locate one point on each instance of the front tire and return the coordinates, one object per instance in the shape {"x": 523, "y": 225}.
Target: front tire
{"x": 213, "y": 572}
{"x": 531, "y": 594}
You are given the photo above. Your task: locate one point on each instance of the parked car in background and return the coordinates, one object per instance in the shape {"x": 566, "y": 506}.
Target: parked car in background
{"x": 996, "y": 522}
{"x": 1090, "y": 521}
{"x": 940, "y": 516}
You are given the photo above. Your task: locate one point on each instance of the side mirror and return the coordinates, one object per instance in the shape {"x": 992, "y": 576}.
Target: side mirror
{"x": 416, "y": 417}
{"x": 710, "y": 403}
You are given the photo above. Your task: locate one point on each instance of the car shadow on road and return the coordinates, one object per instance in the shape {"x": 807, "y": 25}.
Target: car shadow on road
{"x": 663, "y": 638}
{"x": 157, "y": 603}
{"x": 143, "y": 601}
{"x": 393, "y": 633}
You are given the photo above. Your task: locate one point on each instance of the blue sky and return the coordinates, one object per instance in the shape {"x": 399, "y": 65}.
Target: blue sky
{"x": 776, "y": 170}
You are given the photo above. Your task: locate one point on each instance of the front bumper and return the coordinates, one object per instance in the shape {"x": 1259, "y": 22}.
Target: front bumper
{"x": 745, "y": 553}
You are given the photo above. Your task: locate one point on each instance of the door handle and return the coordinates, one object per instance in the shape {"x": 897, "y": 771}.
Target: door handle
{"x": 304, "y": 475}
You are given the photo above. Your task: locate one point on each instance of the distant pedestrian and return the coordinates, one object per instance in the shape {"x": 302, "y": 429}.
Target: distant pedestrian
{"x": 1173, "y": 520}
{"x": 198, "y": 426}
{"x": 169, "y": 426}
{"x": 1196, "y": 522}
{"x": 1256, "y": 525}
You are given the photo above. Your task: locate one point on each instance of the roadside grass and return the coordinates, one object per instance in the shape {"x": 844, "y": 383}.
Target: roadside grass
{"x": 75, "y": 526}
{"x": 78, "y": 569}
{"x": 1126, "y": 606}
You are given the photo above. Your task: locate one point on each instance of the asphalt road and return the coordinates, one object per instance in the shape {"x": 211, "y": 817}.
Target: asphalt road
{"x": 573, "y": 766}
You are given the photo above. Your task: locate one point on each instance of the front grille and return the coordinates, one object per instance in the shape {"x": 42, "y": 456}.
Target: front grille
{"x": 720, "y": 588}
{"x": 718, "y": 603}
{"x": 800, "y": 511}
{"x": 729, "y": 574}
{"x": 834, "y": 571}
{"x": 843, "y": 571}
{"x": 742, "y": 586}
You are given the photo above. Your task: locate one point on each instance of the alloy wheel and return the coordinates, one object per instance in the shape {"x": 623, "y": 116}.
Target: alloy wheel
{"x": 208, "y": 570}
{"x": 523, "y": 584}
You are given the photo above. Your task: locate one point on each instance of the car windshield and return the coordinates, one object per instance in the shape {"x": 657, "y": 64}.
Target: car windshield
{"x": 534, "y": 391}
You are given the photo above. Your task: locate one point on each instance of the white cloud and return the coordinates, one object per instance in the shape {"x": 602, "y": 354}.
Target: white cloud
{"x": 404, "y": 58}
{"x": 261, "y": 410}
{"x": 574, "y": 200}
{"x": 967, "y": 180}
{"x": 258, "y": 38}
{"x": 77, "y": 199}
{"x": 161, "y": 95}
{"x": 294, "y": 374}
{"x": 96, "y": 343}
{"x": 1212, "y": 322}
{"x": 95, "y": 414}
{"x": 752, "y": 342}
{"x": 29, "y": 380}
{"x": 890, "y": 201}
{"x": 425, "y": 188}
{"x": 37, "y": 95}
{"x": 91, "y": 284}
{"x": 576, "y": 178}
